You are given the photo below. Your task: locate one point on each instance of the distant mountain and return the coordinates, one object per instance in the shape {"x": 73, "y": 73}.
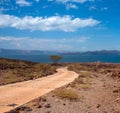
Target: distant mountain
{"x": 24, "y": 52}
{"x": 38, "y": 52}
{"x": 102, "y": 52}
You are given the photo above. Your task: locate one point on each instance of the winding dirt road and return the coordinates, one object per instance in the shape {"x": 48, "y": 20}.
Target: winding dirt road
{"x": 14, "y": 95}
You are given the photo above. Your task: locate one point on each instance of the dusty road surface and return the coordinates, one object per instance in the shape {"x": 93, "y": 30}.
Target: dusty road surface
{"x": 14, "y": 95}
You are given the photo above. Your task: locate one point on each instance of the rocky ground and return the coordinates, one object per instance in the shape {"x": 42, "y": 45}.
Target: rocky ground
{"x": 96, "y": 90}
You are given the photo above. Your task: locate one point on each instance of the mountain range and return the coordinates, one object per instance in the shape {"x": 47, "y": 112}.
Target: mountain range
{"x": 39, "y": 52}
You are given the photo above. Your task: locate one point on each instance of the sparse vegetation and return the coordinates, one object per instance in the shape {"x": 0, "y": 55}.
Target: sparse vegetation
{"x": 12, "y": 71}
{"x": 82, "y": 86}
{"x": 85, "y": 73}
{"x": 78, "y": 67}
{"x": 82, "y": 82}
{"x": 110, "y": 69}
{"x": 67, "y": 94}
{"x": 94, "y": 87}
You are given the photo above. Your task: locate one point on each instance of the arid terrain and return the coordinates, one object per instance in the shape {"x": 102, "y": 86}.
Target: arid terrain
{"x": 96, "y": 90}
{"x": 12, "y": 71}
{"x": 14, "y": 95}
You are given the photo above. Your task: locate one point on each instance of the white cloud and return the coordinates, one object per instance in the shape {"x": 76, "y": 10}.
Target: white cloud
{"x": 93, "y": 8}
{"x": 37, "y": 0}
{"x": 62, "y": 23}
{"x": 71, "y": 6}
{"x": 83, "y": 39}
{"x": 42, "y": 43}
{"x": 23, "y": 3}
{"x": 74, "y": 1}
{"x": 104, "y": 8}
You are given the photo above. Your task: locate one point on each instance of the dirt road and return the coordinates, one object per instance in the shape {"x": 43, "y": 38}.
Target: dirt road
{"x": 14, "y": 95}
{"x": 99, "y": 93}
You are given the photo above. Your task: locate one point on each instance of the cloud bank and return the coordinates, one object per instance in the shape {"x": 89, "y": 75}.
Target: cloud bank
{"x": 41, "y": 43}
{"x": 61, "y": 23}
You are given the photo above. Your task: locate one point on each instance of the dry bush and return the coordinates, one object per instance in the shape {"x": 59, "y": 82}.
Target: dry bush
{"x": 82, "y": 86}
{"x": 67, "y": 94}
{"x": 78, "y": 67}
{"x": 83, "y": 81}
{"x": 85, "y": 74}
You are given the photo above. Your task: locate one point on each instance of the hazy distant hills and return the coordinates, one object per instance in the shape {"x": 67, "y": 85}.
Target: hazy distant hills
{"x": 102, "y": 52}
{"x": 37, "y": 52}
{"x": 23, "y": 52}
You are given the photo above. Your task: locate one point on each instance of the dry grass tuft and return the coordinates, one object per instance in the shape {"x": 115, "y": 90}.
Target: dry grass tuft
{"x": 82, "y": 86}
{"x": 83, "y": 81}
{"x": 85, "y": 74}
{"x": 67, "y": 94}
{"x": 78, "y": 67}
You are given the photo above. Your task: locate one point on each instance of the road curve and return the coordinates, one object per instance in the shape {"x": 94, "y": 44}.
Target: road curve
{"x": 20, "y": 93}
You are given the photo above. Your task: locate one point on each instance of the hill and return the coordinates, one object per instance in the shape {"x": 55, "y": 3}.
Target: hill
{"x": 102, "y": 52}
{"x": 12, "y": 71}
{"x": 23, "y": 52}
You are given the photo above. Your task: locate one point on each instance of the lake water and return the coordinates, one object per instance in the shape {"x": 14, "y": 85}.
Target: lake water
{"x": 67, "y": 58}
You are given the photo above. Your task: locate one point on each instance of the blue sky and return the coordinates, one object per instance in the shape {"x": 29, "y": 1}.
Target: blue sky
{"x": 69, "y": 25}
